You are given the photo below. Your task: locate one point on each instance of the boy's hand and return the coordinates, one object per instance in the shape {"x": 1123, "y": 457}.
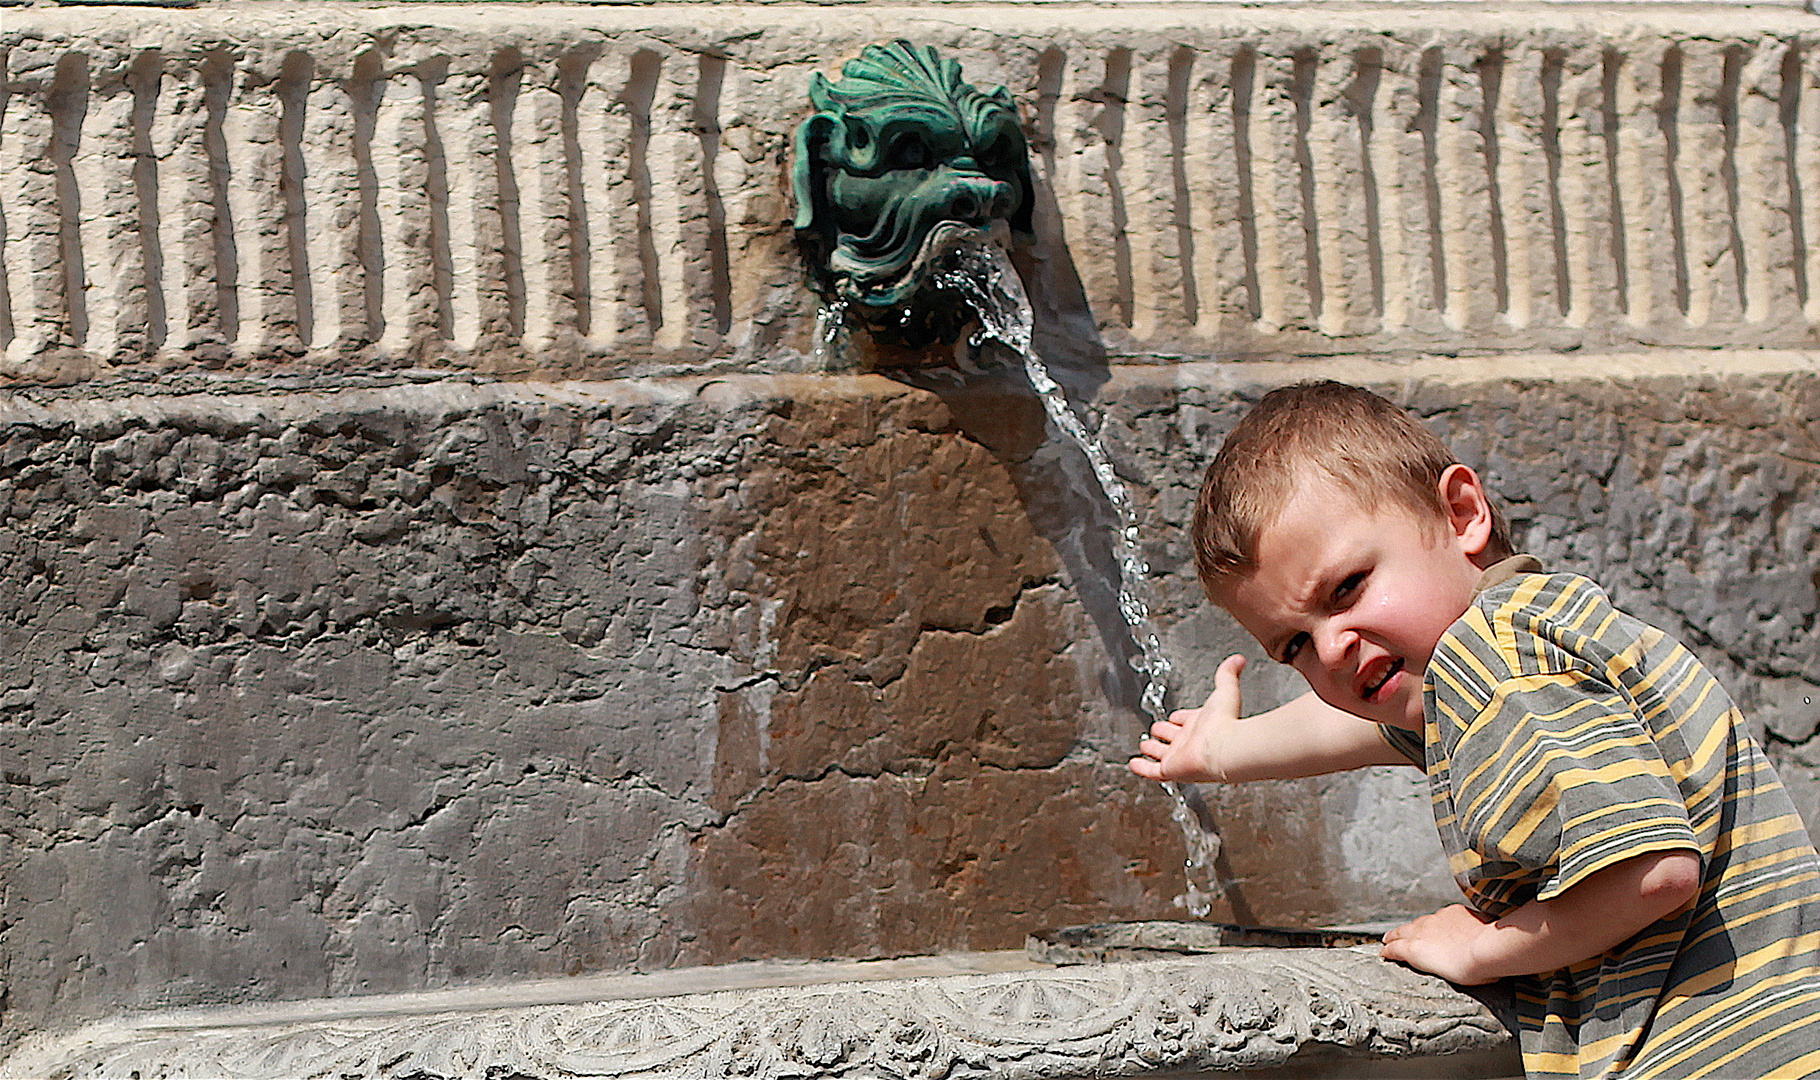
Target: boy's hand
{"x": 1187, "y": 746}
{"x": 1442, "y": 944}
{"x": 1211, "y": 744}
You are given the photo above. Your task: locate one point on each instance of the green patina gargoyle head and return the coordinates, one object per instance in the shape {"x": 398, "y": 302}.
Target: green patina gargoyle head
{"x": 900, "y": 145}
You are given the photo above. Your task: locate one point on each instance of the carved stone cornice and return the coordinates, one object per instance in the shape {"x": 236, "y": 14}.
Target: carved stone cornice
{"x": 1246, "y": 1009}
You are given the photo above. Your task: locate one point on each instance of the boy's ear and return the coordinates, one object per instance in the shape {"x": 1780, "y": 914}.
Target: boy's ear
{"x": 1468, "y": 508}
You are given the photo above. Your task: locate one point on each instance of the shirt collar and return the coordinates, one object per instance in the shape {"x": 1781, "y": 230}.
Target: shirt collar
{"x": 1504, "y": 569}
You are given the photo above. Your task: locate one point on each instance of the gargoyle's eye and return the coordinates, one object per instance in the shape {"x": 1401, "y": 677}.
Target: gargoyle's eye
{"x": 858, "y": 135}
{"x": 909, "y": 152}
{"x": 998, "y": 153}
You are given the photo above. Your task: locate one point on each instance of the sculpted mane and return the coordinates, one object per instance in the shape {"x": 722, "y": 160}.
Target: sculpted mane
{"x": 898, "y": 146}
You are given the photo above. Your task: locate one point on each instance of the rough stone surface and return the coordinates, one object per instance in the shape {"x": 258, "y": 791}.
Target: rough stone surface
{"x": 1241, "y": 1010}
{"x": 393, "y": 689}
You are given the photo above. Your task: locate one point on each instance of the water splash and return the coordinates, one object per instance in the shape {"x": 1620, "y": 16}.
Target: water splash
{"x": 982, "y": 274}
{"x": 831, "y": 334}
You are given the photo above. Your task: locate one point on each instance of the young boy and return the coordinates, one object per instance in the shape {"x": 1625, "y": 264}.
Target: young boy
{"x": 1626, "y": 851}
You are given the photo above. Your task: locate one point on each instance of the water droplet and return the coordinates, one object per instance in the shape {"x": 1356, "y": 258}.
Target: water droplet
{"x": 830, "y": 333}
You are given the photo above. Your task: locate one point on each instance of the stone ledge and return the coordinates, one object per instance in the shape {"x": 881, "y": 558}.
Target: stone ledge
{"x": 1617, "y": 366}
{"x": 251, "y": 400}
{"x": 1246, "y": 1009}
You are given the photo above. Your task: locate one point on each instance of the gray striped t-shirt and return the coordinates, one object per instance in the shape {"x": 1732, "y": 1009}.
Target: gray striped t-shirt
{"x": 1562, "y": 737}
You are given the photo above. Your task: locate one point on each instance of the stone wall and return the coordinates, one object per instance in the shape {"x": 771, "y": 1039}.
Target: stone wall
{"x": 320, "y": 694}
{"x": 424, "y": 559}
{"x": 370, "y": 691}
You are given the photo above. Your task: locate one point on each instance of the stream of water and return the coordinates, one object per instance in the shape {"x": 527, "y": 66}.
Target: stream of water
{"x": 983, "y": 274}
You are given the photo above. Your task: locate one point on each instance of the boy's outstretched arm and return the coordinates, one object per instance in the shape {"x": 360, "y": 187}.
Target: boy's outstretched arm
{"x": 1213, "y": 744}
{"x": 1595, "y": 915}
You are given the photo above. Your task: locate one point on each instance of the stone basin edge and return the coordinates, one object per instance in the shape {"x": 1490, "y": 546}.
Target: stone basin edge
{"x": 1238, "y": 1009}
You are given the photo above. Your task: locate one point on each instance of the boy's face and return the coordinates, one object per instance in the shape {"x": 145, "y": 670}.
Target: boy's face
{"x": 1355, "y": 598}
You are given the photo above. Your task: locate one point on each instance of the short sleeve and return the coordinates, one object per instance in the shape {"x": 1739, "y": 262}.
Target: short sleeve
{"x": 1405, "y": 742}
{"x": 1556, "y": 779}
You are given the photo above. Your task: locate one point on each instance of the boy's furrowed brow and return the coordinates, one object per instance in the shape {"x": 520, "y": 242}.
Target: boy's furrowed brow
{"x": 1273, "y": 641}
{"x": 1334, "y": 564}
{"x": 1274, "y": 633}
{"x": 1316, "y": 587}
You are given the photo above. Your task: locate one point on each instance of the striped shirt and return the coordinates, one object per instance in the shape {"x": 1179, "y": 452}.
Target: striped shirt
{"x": 1562, "y": 737}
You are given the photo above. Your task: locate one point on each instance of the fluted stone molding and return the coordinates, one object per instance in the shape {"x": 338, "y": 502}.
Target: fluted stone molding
{"x": 601, "y": 188}
{"x": 1243, "y": 1010}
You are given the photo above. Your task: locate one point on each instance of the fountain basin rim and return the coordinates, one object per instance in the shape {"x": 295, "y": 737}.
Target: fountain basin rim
{"x": 1239, "y": 1008}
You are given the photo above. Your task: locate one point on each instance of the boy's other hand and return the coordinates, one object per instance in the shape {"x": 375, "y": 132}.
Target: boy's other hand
{"x": 1444, "y": 944}
{"x": 1186, "y": 747}
{"x": 1604, "y": 909}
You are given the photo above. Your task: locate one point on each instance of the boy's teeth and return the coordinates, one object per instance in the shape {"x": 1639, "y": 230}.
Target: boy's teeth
{"x": 1395, "y": 666}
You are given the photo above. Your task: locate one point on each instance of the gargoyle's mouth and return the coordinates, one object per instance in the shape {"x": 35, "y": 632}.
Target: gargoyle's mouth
{"x": 944, "y": 238}
{"x": 885, "y": 266}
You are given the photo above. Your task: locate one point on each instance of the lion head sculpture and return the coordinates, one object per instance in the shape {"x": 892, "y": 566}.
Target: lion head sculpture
{"x": 898, "y": 148}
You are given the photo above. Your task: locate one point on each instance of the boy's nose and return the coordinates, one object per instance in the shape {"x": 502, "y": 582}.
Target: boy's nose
{"x": 1333, "y": 643}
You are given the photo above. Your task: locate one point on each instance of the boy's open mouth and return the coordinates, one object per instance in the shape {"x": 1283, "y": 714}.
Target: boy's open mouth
{"x": 1376, "y": 684}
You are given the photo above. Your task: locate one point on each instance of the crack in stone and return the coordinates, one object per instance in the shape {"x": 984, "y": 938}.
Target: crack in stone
{"x": 750, "y": 681}
{"x": 992, "y": 618}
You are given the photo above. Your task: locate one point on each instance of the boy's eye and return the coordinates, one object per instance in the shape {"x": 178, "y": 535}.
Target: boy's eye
{"x": 1349, "y": 585}
{"x": 1293, "y": 648}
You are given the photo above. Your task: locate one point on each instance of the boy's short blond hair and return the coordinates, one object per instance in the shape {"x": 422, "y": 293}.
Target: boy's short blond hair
{"x": 1369, "y": 446}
